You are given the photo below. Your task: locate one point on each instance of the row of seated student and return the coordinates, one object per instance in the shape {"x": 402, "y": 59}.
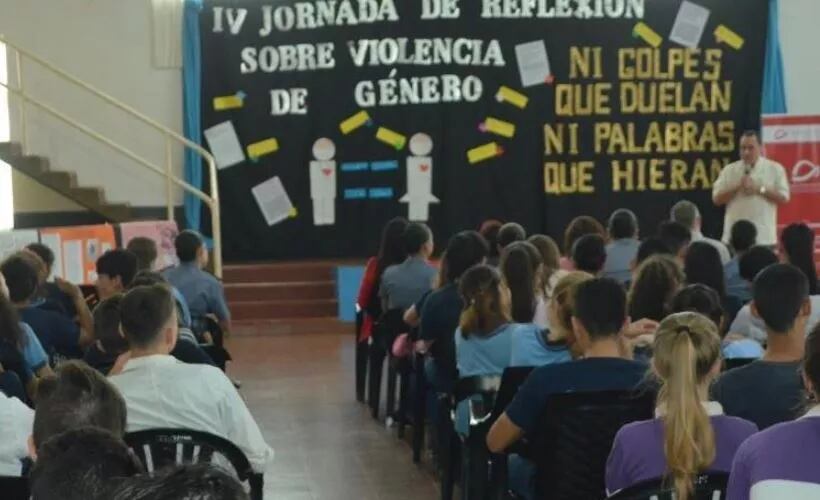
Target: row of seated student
{"x": 673, "y": 305}
{"x": 143, "y": 333}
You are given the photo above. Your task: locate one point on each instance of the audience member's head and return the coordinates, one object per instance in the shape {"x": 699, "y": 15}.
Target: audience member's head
{"x": 76, "y": 396}
{"x": 589, "y": 254}
{"x": 550, "y": 260}
{"x": 648, "y": 248}
{"x": 81, "y": 464}
{"x": 656, "y": 281}
{"x": 686, "y": 214}
{"x": 700, "y": 299}
{"x": 45, "y": 254}
{"x": 145, "y": 249}
{"x": 489, "y": 231}
{"x": 392, "y": 248}
{"x": 186, "y": 482}
{"x": 743, "y": 236}
{"x": 599, "y": 311}
{"x": 811, "y": 363}
{"x": 37, "y": 262}
{"x": 464, "y": 250}
{"x": 10, "y": 330}
{"x": 418, "y": 240}
{"x": 781, "y": 299}
{"x": 115, "y": 271}
{"x": 148, "y": 278}
{"x": 510, "y": 233}
{"x": 149, "y": 319}
{"x": 562, "y": 304}
{"x": 191, "y": 248}
{"x": 702, "y": 265}
{"x": 798, "y": 250}
{"x": 521, "y": 269}
{"x": 107, "y": 329}
{"x": 686, "y": 359}
{"x": 623, "y": 224}
{"x": 578, "y": 227}
{"x": 21, "y": 277}
{"x": 486, "y": 301}
{"x": 755, "y": 260}
{"x": 676, "y": 237}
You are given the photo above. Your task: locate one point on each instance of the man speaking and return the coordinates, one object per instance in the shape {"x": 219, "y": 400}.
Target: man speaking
{"x": 751, "y": 189}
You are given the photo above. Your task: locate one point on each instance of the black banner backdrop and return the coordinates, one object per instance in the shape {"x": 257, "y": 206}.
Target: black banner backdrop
{"x": 625, "y": 116}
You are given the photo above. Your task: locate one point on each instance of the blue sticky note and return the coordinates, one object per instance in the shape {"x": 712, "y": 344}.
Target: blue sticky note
{"x": 381, "y": 193}
{"x": 354, "y": 166}
{"x": 381, "y": 166}
{"x": 355, "y": 194}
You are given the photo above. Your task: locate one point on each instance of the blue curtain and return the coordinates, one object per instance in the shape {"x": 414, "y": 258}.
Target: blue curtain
{"x": 774, "y": 86}
{"x": 191, "y": 92}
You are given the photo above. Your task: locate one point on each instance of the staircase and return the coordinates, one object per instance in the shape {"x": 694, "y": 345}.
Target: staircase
{"x": 273, "y": 292}
{"x": 65, "y": 183}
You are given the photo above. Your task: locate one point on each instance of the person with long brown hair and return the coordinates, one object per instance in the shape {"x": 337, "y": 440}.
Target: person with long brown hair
{"x": 656, "y": 282}
{"x": 690, "y": 434}
{"x": 521, "y": 272}
{"x": 551, "y": 271}
{"x": 577, "y": 228}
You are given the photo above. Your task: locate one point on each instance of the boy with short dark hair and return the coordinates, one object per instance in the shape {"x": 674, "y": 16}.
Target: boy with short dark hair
{"x": 403, "y": 284}
{"x": 115, "y": 271}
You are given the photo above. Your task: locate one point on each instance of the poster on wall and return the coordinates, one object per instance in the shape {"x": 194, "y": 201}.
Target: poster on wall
{"x": 76, "y": 250}
{"x": 794, "y": 142}
{"x": 455, "y": 111}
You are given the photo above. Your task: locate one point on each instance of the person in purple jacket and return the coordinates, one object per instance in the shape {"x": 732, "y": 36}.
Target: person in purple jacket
{"x": 689, "y": 434}
{"x": 782, "y": 461}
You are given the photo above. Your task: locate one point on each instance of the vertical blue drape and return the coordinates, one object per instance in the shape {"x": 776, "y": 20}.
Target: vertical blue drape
{"x": 774, "y": 86}
{"x": 191, "y": 91}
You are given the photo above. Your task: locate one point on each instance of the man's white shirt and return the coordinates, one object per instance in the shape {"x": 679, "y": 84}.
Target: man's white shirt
{"x": 16, "y": 420}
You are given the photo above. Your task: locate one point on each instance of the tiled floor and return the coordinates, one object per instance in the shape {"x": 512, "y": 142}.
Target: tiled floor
{"x": 300, "y": 389}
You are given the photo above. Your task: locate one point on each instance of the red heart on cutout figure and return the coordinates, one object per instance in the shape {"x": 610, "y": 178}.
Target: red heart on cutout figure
{"x": 327, "y": 171}
{"x": 424, "y": 168}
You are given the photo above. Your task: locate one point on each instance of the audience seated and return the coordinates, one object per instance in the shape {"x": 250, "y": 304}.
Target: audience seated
{"x": 589, "y": 254}
{"x": 769, "y": 391}
{"x": 687, "y": 214}
{"x": 115, "y": 272}
{"x": 145, "y": 249}
{"x": 551, "y": 271}
{"x": 702, "y": 266}
{"x": 676, "y": 238}
{"x": 781, "y": 461}
{"x": 109, "y": 342}
{"x": 404, "y": 284}
{"x": 578, "y": 227}
{"x": 508, "y": 234}
{"x": 190, "y": 482}
{"x": 57, "y": 333}
{"x": 656, "y": 281}
{"x": 702, "y": 299}
{"x": 648, "y": 248}
{"x": 521, "y": 271}
{"x": 623, "y": 245}
{"x": 690, "y": 434}
{"x": 81, "y": 464}
{"x": 743, "y": 237}
{"x": 161, "y": 391}
{"x": 797, "y": 242}
{"x": 54, "y": 298}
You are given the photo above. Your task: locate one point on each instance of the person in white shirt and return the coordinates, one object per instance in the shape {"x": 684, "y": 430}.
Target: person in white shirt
{"x": 162, "y": 392}
{"x": 687, "y": 213}
{"x": 751, "y": 189}
{"x": 15, "y": 427}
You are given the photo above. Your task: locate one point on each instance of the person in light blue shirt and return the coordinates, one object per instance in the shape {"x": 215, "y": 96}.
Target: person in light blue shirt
{"x": 623, "y": 246}
{"x": 743, "y": 238}
{"x": 532, "y": 346}
{"x": 33, "y": 352}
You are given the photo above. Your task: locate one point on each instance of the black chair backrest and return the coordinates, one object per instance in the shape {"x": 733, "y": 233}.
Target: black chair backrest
{"x": 485, "y": 386}
{"x": 731, "y": 363}
{"x": 573, "y": 442}
{"x": 14, "y": 488}
{"x": 512, "y": 378}
{"x": 708, "y": 486}
{"x": 160, "y": 448}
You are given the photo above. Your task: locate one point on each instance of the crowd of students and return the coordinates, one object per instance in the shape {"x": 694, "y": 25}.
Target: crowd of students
{"x": 144, "y": 351}
{"x": 615, "y": 312}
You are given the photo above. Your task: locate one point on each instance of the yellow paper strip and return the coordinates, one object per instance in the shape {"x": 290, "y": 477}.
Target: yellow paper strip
{"x": 643, "y": 31}
{"x": 354, "y": 122}
{"x": 227, "y": 102}
{"x": 512, "y": 96}
{"x": 262, "y": 148}
{"x": 391, "y": 138}
{"x": 481, "y": 153}
{"x": 500, "y": 127}
{"x": 729, "y": 37}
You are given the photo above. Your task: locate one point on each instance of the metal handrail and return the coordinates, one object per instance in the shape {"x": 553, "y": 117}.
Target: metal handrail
{"x": 170, "y": 136}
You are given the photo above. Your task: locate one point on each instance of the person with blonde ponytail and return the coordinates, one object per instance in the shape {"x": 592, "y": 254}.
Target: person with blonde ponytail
{"x": 690, "y": 434}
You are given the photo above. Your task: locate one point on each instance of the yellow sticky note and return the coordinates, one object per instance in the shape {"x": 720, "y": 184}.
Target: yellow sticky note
{"x": 517, "y": 99}
{"x": 500, "y": 127}
{"x": 354, "y": 122}
{"x": 729, "y": 37}
{"x": 391, "y": 138}
{"x": 485, "y": 152}
{"x": 647, "y": 34}
{"x": 228, "y": 102}
{"x": 261, "y": 148}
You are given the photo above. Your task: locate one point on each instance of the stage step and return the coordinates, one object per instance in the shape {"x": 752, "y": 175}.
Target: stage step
{"x": 286, "y": 272}
{"x": 297, "y": 290}
{"x": 279, "y": 309}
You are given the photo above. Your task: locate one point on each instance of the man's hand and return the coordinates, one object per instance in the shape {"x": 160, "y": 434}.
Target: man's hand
{"x": 641, "y": 327}
{"x": 748, "y": 186}
{"x": 68, "y": 288}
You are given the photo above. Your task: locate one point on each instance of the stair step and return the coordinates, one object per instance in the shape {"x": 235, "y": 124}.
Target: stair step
{"x": 9, "y": 149}
{"x": 280, "y": 272}
{"x": 304, "y": 290}
{"x": 279, "y": 309}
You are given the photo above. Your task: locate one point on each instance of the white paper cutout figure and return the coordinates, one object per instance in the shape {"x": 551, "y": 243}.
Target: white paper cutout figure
{"x": 419, "y": 178}
{"x": 323, "y": 182}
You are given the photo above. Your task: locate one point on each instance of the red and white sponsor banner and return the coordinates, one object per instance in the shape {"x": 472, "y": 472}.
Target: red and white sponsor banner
{"x": 794, "y": 142}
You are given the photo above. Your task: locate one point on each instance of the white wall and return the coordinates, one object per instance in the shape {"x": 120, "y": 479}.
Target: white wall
{"x": 800, "y": 43}
{"x": 108, "y": 44}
